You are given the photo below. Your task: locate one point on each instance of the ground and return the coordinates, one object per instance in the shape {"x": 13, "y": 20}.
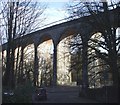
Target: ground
{"x": 65, "y": 94}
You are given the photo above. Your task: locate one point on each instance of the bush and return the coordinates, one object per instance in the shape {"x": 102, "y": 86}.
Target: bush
{"x": 22, "y": 94}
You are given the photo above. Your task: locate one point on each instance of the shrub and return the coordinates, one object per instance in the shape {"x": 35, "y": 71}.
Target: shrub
{"x": 22, "y": 94}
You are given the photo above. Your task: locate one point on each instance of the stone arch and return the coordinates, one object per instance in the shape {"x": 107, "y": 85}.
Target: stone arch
{"x": 84, "y": 32}
{"x": 95, "y": 64}
{"x": 63, "y": 56}
{"x": 45, "y": 37}
{"x": 68, "y": 32}
{"x": 104, "y": 67}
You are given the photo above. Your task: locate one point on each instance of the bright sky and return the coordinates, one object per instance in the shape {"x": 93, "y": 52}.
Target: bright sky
{"x": 55, "y": 11}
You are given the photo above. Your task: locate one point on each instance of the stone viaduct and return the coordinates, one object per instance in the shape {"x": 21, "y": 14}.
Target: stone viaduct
{"x": 85, "y": 26}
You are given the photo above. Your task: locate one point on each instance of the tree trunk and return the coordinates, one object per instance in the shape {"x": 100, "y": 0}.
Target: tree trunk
{"x": 12, "y": 76}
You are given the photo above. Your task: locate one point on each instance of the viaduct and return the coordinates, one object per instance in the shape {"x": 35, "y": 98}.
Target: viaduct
{"x": 85, "y": 26}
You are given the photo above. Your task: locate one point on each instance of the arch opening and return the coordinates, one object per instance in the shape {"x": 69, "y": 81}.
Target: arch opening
{"x": 98, "y": 69}
{"x": 27, "y": 63}
{"x": 69, "y": 64}
{"x": 45, "y": 56}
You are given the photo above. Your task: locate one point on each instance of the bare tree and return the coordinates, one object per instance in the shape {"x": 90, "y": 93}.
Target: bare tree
{"x": 19, "y": 18}
{"x": 110, "y": 43}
